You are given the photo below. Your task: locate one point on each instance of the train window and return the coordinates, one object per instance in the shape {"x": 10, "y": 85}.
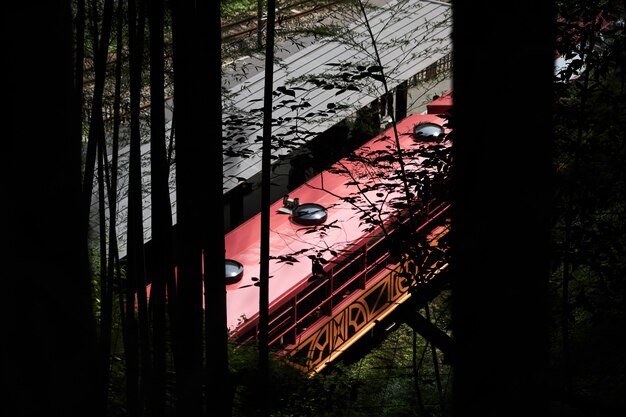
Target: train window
{"x": 348, "y": 289}
{"x": 234, "y": 271}
{"x": 309, "y": 214}
{"x": 348, "y": 269}
{"x": 282, "y": 324}
{"x": 312, "y": 304}
{"x": 377, "y": 248}
{"x": 427, "y": 131}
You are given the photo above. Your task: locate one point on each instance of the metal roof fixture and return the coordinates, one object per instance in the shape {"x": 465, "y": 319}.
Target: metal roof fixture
{"x": 289, "y": 204}
{"x": 427, "y": 131}
{"x": 234, "y": 271}
{"x": 309, "y": 214}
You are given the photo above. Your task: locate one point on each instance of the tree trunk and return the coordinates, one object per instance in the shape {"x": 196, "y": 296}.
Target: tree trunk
{"x": 161, "y": 257}
{"x": 49, "y": 347}
{"x": 190, "y": 186}
{"x": 502, "y": 206}
{"x": 209, "y": 104}
{"x": 138, "y": 354}
{"x": 263, "y": 341}
{"x": 96, "y": 125}
{"x": 114, "y": 268}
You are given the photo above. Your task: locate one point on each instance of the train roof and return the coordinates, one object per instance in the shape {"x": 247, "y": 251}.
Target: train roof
{"x": 440, "y": 105}
{"x": 287, "y": 237}
{"x": 411, "y": 35}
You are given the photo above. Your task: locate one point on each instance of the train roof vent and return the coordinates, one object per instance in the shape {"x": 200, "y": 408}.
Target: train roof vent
{"x": 309, "y": 214}
{"x": 427, "y": 131}
{"x": 234, "y": 271}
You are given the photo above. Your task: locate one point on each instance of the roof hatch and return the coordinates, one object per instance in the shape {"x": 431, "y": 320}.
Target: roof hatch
{"x": 427, "y": 131}
{"x": 234, "y": 271}
{"x": 309, "y": 214}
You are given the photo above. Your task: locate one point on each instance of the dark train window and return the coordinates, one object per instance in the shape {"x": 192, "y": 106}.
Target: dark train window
{"x": 348, "y": 268}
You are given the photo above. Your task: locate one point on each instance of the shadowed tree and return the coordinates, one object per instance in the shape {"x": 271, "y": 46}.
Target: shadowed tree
{"x": 162, "y": 245}
{"x": 188, "y": 324}
{"x": 197, "y": 98}
{"x": 49, "y": 357}
{"x": 136, "y": 325}
{"x": 100, "y": 38}
{"x": 218, "y": 385}
{"x": 502, "y": 206}
{"x": 113, "y": 270}
{"x": 589, "y": 233}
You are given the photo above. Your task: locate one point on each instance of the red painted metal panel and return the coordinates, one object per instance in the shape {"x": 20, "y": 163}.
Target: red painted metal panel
{"x": 287, "y": 237}
{"x": 440, "y": 105}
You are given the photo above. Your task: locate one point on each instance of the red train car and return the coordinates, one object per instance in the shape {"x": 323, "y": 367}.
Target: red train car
{"x": 440, "y": 104}
{"x": 331, "y": 273}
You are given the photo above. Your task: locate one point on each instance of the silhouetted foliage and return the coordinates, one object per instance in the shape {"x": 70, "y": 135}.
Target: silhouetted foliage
{"x": 588, "y": 253}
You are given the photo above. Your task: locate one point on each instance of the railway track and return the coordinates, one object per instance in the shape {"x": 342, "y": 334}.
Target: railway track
{"x": 285, "y": 13}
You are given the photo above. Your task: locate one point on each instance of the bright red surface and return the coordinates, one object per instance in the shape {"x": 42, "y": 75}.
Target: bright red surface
{"x": 440, "y": 105}
{"x": 286, "y": 237}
